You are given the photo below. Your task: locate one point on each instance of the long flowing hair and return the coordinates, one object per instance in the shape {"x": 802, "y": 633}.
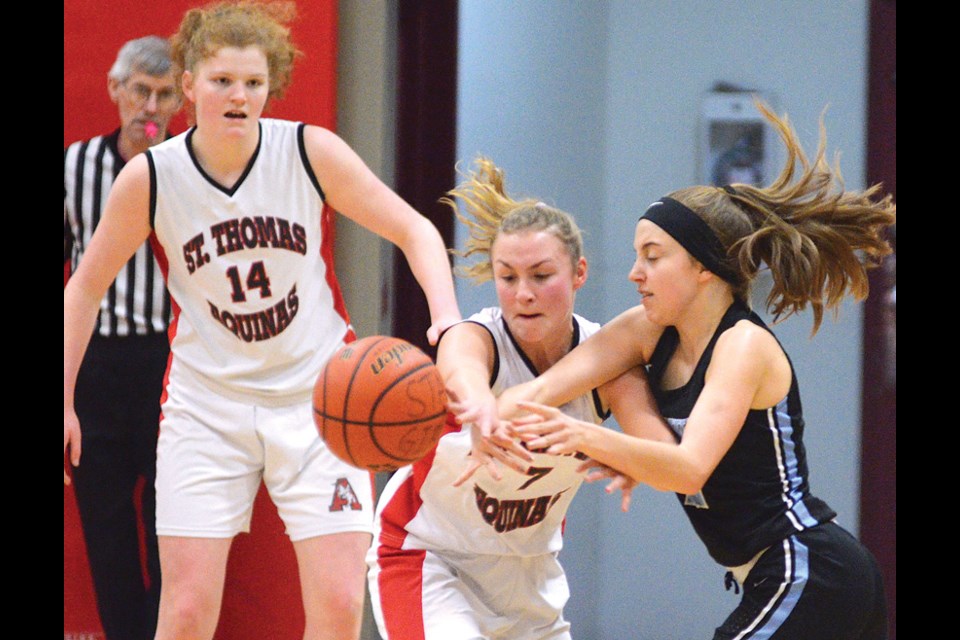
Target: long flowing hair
{"x": 817, "y": 238}
{"x": 488, "y": 212}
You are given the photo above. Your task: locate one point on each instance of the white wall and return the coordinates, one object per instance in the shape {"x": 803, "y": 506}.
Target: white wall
{"x": 531, "y": 97}
{"x": 366, "y": 120}
{"x": 593, "y": 106}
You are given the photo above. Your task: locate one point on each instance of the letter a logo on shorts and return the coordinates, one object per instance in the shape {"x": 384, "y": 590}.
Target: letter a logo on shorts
{"x": 343, "y": 497}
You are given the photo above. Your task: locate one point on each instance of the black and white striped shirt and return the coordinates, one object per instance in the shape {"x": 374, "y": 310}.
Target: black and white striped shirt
{"x": 137, "y": 302}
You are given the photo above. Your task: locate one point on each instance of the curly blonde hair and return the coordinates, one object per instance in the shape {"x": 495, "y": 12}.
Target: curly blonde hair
{"x": 817, "y": 238}
{"x": 238, "y": 23}
{"x": 491, "y": 212}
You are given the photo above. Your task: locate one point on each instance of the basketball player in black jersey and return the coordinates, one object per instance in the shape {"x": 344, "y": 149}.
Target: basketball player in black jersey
{"x": 729, "y": 392}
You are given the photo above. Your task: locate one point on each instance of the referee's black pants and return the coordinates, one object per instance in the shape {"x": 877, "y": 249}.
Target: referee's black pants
{"x": 117, "y": 400}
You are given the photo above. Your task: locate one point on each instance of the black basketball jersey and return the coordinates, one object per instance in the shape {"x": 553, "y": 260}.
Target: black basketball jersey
{"x": 759, "y": 493}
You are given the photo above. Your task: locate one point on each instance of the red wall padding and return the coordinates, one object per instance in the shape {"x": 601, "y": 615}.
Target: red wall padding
{"x": 262, "y": 595}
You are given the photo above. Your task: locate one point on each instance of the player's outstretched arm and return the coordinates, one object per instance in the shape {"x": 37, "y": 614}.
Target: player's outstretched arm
{"x": 623, "y": 343}
{"x": 465, "y": 360}
{"x": 748, "y": 371}
{"x": 633, "y": 406}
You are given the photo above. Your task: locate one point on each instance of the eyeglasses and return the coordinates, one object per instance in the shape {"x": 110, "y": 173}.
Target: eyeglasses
{"x": 140, "y": 93}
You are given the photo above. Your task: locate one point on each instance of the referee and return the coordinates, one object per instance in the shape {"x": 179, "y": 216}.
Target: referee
{"x": 127, "y": 354}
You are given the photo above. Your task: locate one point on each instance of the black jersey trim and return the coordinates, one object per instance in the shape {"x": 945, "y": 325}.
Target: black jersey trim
{"x": 236, "y": 185}
{"x": 598, "y": 405}
{"x": 597, "y": 401}
{"x": 523, "y": 356}
{"x": 496, "y": 352}
{"x": 152, "y": 167}
{"x": 302, "y": 146}
{"x": 667, "y": 345}
{"x": 574, "y": 341}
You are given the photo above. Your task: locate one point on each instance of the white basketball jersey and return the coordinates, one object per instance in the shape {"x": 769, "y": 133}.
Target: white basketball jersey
{"x": 258, "y": 310}
{"x": 519, "y": 515}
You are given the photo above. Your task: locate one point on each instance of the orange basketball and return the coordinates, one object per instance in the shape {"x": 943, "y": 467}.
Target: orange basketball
{"x": 379, "y": 403}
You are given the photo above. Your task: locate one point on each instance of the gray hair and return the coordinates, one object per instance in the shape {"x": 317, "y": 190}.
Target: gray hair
{"x": 149, "y": 55}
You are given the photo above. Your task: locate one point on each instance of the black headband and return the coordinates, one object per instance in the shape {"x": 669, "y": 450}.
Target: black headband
{"x": 692, "y": 233}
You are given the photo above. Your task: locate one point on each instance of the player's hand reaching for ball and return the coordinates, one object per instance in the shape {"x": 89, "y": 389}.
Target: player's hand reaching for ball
{"x": 550, "y": 429}
{"x": 490, "y": 440}
{"x": 71, "y": 439}
{"x": 599, "y": 471}
{"x": 480, "y": 412}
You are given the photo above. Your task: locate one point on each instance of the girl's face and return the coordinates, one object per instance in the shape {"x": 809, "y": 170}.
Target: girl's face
{"x": 536, "y": 284}
{"x": 667, "y": 277}
{"x": 229, "y": 90}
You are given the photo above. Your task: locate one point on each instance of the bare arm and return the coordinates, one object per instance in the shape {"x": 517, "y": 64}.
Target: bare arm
{"x": 632, "y": 403}
{"x": 623, "y": 343}
{"x": 125, "y": 225}
{"x": 353, "y": 190}
{"x": 465, "y": 359}
{"x": 748, "y": 370}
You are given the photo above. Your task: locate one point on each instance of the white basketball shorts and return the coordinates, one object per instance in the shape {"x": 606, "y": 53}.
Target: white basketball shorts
{"x": 427, "y": 595}
{"x": 213, "y": 453}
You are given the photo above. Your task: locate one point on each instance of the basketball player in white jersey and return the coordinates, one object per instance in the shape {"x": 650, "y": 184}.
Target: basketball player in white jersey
{"x": 459, "y": 553}
{"x": 239, "y": 209}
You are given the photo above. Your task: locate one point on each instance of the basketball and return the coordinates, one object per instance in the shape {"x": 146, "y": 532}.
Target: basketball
{"x": 379, "y": 403}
